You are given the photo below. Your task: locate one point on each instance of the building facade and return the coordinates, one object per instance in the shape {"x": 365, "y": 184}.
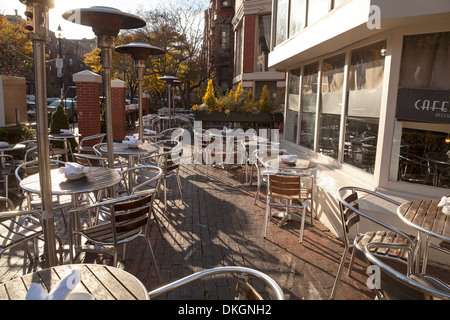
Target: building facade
{"x": 219, "y": 42}
{"x": 252, "y": 29}
{"x": 368, "y": 87}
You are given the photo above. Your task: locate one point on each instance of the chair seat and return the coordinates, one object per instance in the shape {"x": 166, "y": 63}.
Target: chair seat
{"x": 17, "y": 231}
{"x": 379, "y": 236}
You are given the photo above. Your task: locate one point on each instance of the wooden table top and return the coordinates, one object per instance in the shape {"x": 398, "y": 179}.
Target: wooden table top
{"x": 99, "y": 178}
{"x": 426, "y": 216}
{"x": 101, "y": 281}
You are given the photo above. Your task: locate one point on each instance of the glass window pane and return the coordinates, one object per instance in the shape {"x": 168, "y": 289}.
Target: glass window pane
{"x": 366, "y": 73}
{"x": 308, "y": 106}
{"x": 297, "y": 15}
{"x": 225, "y": 36}
{"x": 316, "y": 10}
{"x": 292, "y": 105}
{"x": 337, "y": 3}
{"x": 262, "y": 58}
{"x": 282, "y": 21}
{"x": 331, "y": 105}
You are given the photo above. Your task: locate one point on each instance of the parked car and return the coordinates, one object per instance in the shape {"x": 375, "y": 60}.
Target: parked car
{"x": 67, "y": 104}
{"x": 31, "y": 111}
{"x": 50, "y": 100}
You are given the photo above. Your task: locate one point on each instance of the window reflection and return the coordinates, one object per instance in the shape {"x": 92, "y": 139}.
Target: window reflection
{"x": 364, "y": 100}
{"x": 292, "y": 105}
{"x": 282, "y": 21}
{"x": 331, "y": 105}
{"x": 308, "y": 108}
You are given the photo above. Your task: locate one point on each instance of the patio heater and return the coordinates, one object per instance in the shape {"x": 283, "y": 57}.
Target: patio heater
{"x": 169, "y": 80}
{"x": 37, "y": 24}
{"x": 140, "y": 51}
{"x": 106, "y": 23}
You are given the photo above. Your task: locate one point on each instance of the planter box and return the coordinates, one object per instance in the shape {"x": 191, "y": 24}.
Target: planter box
{"x": 238, "y": 117}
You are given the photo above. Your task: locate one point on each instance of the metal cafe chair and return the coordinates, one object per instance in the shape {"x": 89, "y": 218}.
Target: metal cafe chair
{"x": 129, "y": 219}
{"x": 87, "y": 143}
{"x": 7, "y": 167}
{"x": 351, "y": 215}
{"x": 393, "y": 284}
{"x": 19, "y": 228}
{"x": 169, "y": 161}
{"x": 245, "y": 290}
{"x": 288, "y": 186}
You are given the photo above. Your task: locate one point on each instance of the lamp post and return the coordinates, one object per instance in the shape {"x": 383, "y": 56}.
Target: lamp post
{"x": 106, "y": 23}
{"x": 169, "y": 80}
{"x": 139, "y": 51}
{"x": 37, "y": 24}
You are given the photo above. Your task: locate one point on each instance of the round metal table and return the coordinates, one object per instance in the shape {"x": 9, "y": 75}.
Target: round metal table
{"x": 102, "y": 281}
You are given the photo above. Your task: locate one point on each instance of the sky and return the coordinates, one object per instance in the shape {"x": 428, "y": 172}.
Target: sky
{"x": 77, "y": 31}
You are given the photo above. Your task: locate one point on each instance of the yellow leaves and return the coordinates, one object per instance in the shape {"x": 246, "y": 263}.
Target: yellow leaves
{"x": 92, "y": 60}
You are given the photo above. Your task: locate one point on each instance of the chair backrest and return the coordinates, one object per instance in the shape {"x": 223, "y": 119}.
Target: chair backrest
{"x": 87, "y": 143}
{"x": 130, "y": 215}
{"x": 394, "y": 285}
{"x": 351, "y": 214}
{"x": 290, "y": 185}
{"x": 31, "y": 167}
{"x": 170, "y": 157}
{"x": 90, "y": 160}
{"x": 143, "y": 177}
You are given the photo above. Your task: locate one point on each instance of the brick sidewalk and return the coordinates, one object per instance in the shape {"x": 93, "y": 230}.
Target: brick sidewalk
{"x": 217, "y": 224}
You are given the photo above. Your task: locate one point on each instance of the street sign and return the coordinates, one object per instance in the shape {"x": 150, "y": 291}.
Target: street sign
{"x": 59, "y": 63}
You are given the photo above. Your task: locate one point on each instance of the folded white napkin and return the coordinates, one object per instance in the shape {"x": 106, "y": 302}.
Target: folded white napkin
{"x": 3, "y": 144}
{"x": 59, "y": 292}
{"x": 289, "y": 158}
{"x": 74, "y": 168}
{"x": 132, "y": 140}
{"x": 66, "y": 131}
{"x": 148, "y": 131}
{"x": 445, "y": 204}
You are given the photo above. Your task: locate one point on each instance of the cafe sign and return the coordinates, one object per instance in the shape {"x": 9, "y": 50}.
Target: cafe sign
{"x": 425, "y": 105}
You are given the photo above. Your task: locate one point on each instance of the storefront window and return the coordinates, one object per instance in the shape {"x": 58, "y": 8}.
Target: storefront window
{"x": 364, "y": 100}
{"x": 308, "y": 106}
{"x": 282, "y": 21}
{"x": 297, "y": 17}
{"x": 292, "y": 105}
{"x": 331, "y": 105}
{"x": 421, "y": 149}
{"x": 316, "y": 10}
{"x": 262, "y": 58}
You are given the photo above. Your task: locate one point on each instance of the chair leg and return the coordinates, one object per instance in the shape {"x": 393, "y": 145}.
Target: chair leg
{"x": 338, "y": 275}
{"x": 153, "y": 258}
{"x": 258, "y": 186}
{"x": 179, "y": 186}
{"x": 165, "y": 195}
{"x": 302, "y": 226}
{"x": 350, "y": 265}
{"x": 267, "y": 216}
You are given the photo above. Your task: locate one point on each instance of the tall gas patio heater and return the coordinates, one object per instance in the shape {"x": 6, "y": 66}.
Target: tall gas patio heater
{"x": 37, "y": 25}
{"x": 169, "y": 80}
{"x": 139, "y": 51}
{"x": 106, "y": 23}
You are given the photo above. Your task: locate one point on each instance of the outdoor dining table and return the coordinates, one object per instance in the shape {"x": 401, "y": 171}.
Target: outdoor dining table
{"x": 101, "y": 281}
{"x": 12, "y": 147}
{"x": 429, "y": 220}
{"x": 123, "y": 149}
{"x": 299, "y": 165}
{"x": 99, "y": 178}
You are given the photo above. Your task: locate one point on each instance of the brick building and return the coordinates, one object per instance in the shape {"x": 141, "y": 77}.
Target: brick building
{"x": 219, "y": 42}
{"x": 252, "y": 29}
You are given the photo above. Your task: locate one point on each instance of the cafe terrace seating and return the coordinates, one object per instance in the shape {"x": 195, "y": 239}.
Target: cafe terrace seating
{"x": 396, "y": 285}
{"x": 351, "y": 215}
